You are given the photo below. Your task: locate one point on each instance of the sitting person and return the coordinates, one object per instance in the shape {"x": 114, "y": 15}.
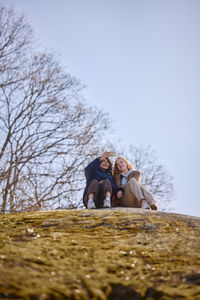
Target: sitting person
{"x": 100, "y": 185}
{"x": 130, "y": 191}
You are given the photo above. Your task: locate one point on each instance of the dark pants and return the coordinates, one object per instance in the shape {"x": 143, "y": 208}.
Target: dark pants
{"x": 99, "y": 189}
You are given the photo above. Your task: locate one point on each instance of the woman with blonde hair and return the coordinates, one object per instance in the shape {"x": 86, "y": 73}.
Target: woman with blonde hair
{"x": 130, "y": 191}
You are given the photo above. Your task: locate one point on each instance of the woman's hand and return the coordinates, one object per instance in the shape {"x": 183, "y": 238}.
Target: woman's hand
{"x": 119, "y": 194}
{"x": 106, "y": 154}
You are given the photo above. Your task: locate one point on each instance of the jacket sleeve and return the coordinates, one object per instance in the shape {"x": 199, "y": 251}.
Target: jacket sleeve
{"x": 92, "y": 168}
{"x": 137, "y": 175}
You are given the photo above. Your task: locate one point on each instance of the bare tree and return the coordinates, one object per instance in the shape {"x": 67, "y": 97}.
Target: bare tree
{"x": 155, "y": 176}
{"x": 47, "y": 132}
{"x": 16, "y": 41}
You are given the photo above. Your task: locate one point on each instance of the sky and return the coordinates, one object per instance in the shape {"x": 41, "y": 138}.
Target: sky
{"x": 140, "y": 62}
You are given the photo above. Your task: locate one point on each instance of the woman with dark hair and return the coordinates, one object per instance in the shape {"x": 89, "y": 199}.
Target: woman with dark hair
{"x": 100, "y": 185}
{"x": 130, "y": 191}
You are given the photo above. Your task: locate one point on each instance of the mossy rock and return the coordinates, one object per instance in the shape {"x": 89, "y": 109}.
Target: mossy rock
{"x": 119, "y": 253}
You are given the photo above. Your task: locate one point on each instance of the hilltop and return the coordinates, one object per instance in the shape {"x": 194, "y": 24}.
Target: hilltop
{"x": 119, "y": 253}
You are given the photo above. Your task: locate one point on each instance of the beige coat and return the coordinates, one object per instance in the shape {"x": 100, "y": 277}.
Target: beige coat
{"x": 133, "y": 191}
{"x": 135, "y": 174}
{"x": 120, "y": 202}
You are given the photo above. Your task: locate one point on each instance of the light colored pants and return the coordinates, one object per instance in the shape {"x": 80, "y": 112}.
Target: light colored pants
{"x": 134, "y": 193}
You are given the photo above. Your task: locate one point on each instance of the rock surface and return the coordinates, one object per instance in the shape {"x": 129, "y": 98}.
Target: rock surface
{"x": 119, "y": 253}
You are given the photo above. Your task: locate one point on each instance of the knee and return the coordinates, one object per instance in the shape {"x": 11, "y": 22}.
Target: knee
{"x": 132, "y": 181}
{"x": 107, "y": 186}
{"x": 107, "y": 181}
{"x": 94, "y": 182}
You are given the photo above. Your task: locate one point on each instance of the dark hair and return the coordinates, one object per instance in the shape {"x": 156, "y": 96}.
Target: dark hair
{"x": 110, "y": 164}
{"x": 109, "y": 170}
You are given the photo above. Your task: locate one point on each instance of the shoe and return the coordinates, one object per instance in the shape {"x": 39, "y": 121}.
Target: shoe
{"x": 106, "y": 203}
{"x": 154, "y": 206}
{"x": 145, "y": 205}
{"x": 91, "y": 204}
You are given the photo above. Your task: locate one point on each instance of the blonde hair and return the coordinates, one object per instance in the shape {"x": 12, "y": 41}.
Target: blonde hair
{"x": 115, "y": 168}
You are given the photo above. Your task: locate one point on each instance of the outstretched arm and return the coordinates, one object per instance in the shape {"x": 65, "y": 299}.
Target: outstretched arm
{"x": 107, "y": 154}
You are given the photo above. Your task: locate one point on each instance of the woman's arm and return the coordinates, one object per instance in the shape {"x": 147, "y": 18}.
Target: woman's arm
{"x": 106, "y": 154}
{"x": 137, "y": 175}
{"x": 92, "y": 168}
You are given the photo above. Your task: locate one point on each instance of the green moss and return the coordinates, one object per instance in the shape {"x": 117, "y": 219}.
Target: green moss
{"x": 80, "y": 254}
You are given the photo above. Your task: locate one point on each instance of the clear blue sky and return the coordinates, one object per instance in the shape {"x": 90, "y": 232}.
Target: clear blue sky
{"x": 140, "y": 60}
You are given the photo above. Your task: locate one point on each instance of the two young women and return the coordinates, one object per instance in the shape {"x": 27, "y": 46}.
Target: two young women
{"x": 123, "y": 185}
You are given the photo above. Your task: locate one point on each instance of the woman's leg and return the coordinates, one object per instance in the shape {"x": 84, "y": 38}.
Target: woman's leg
{"x": 129, "y": 199}
{"x": 91, "y": 194}
{"x": 104, "y": 192}
{"x": 133, "y": 196}
{"x": 107, "y": 188}
{"x": 150, "y": 199}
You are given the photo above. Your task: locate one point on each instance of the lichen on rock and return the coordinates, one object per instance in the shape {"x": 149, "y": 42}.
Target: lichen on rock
{"x": 119, "y": 253}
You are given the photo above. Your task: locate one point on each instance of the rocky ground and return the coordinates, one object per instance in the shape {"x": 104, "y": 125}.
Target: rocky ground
{"x": 121, "y": 253}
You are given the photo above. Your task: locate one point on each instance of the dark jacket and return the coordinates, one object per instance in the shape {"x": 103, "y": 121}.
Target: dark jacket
{"x": 93, "y": 171}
